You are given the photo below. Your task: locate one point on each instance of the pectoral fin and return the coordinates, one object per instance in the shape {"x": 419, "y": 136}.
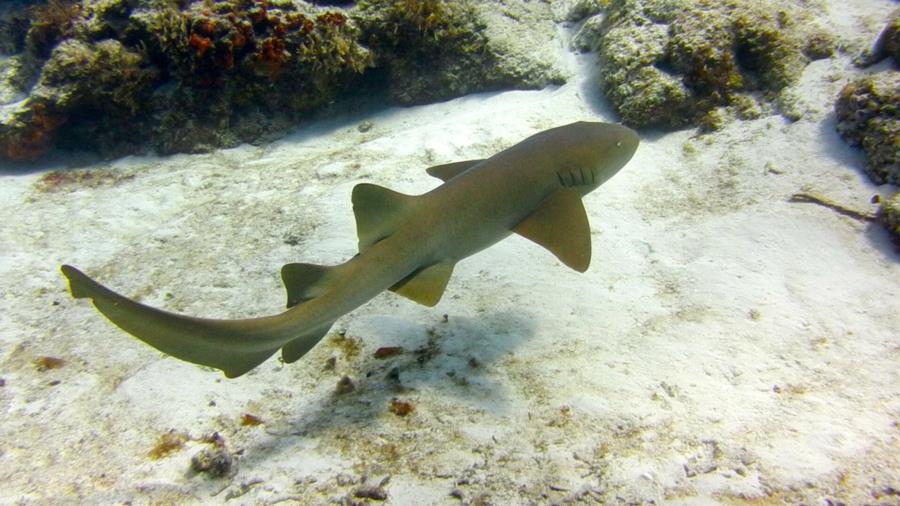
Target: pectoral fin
{"x": 425, "y": 286}
{"x": 560, "y": 224}
{"x": 449, "y": 171}
{"x": 378, "y": 212}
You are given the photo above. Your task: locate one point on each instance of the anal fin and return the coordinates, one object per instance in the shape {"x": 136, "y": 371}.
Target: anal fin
{"x": 560, "y": 225}
{"x": 295, "y": 349}
{"x": 426, "y": 285}
{"x": 245, "y": 362}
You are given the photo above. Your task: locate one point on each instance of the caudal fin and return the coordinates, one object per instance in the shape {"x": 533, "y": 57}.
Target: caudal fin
{"x": 234, "y": 346}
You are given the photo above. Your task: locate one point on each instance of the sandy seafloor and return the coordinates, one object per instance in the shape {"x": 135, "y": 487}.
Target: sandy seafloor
{"x": 726, "y": 346}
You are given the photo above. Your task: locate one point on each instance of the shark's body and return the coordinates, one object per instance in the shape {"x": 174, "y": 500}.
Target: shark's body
{"x": 408, "y": 244}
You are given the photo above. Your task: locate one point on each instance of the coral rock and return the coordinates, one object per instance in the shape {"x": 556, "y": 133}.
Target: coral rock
{"x": 868, "y": 113}
{"x": 889, "y": 213}
{"x": 667, "y": 63}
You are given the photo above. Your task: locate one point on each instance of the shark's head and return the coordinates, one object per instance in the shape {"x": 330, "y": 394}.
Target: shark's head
{"x": 589, "y": 153}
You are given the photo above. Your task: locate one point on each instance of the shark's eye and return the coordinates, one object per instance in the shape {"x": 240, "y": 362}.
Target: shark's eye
{"x": 619, "y": 144}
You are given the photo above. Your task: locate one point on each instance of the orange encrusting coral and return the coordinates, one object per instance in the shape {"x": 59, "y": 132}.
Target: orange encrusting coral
{"x": 36, "y": 139}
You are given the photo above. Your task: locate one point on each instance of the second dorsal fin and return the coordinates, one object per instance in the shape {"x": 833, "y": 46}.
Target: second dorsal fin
{"x": 378, "y": 212}
{"x": 448, "y": 171}
{"x": 305, "y": 281}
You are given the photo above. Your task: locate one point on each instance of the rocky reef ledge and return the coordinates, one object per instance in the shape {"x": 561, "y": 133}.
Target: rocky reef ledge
{"x": 678, "y": 63}
{"x": 127, "y": 76}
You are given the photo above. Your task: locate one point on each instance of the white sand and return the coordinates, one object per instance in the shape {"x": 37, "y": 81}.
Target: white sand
{"x": 725, "y": 345}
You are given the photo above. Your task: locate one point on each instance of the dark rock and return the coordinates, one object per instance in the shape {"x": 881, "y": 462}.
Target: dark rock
{"x": 216, "y": 462}
{"x": 888, "y": 43}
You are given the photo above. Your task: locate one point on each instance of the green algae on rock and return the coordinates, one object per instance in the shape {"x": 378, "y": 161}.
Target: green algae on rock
{"x": 93, "y": 89}
{"x": 668, "y": 63}
{"x": 889, "y": 214}
{"x": 868, "y": 114}
{"x": 412, "y": 36}
{"x": 434, "y": 49}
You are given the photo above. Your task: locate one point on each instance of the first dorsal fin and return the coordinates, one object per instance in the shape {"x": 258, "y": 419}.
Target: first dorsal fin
{"x": 560, "y": 224}
{"x": 448, "y": 171}
{"x": 378, "y": 211}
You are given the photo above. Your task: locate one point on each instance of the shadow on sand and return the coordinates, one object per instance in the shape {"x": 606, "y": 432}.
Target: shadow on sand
{"x": 455, "y": 359}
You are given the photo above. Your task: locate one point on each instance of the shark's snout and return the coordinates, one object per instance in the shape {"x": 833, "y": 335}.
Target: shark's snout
{"x": 629, "y": 140}
{"x": 612, "y": 148}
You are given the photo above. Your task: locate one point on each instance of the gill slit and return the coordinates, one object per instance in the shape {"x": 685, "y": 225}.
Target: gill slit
{"x": 568, "y": 179}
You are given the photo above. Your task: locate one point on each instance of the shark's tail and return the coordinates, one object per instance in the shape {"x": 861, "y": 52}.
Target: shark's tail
{"x": 234, "y": 346}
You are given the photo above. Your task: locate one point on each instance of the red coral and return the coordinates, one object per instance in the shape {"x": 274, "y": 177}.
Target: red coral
{"x": 201, "y": 44}
{"x": 333, "y": 19}
{"x": 252, "y": 33}
{"x": 299, "y": 22}
{"x": 210, "y": 26}
{"x": 271, "y": 55}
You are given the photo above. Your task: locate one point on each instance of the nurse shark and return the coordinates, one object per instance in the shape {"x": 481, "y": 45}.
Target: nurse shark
{"x": 408, "y": 244}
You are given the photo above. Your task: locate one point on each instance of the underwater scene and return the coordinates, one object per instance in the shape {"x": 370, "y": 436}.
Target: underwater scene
{"x": 437, "y": 252}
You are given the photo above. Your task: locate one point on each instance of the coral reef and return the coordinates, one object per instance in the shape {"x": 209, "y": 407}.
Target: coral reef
{"x": 124, "y": 76}
{"x": 179, "y": 76}
{"x": 237, "y": 71}
{"x": 669, "y": 63}
{"x": 868, "y": 113}
{"x": 434, "y": 49}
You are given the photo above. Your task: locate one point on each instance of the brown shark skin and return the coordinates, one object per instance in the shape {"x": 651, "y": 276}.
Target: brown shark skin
{"x": 533, "y": 188}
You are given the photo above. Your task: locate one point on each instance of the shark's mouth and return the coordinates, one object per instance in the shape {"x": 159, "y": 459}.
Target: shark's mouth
{"x": 576, "y": 177}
